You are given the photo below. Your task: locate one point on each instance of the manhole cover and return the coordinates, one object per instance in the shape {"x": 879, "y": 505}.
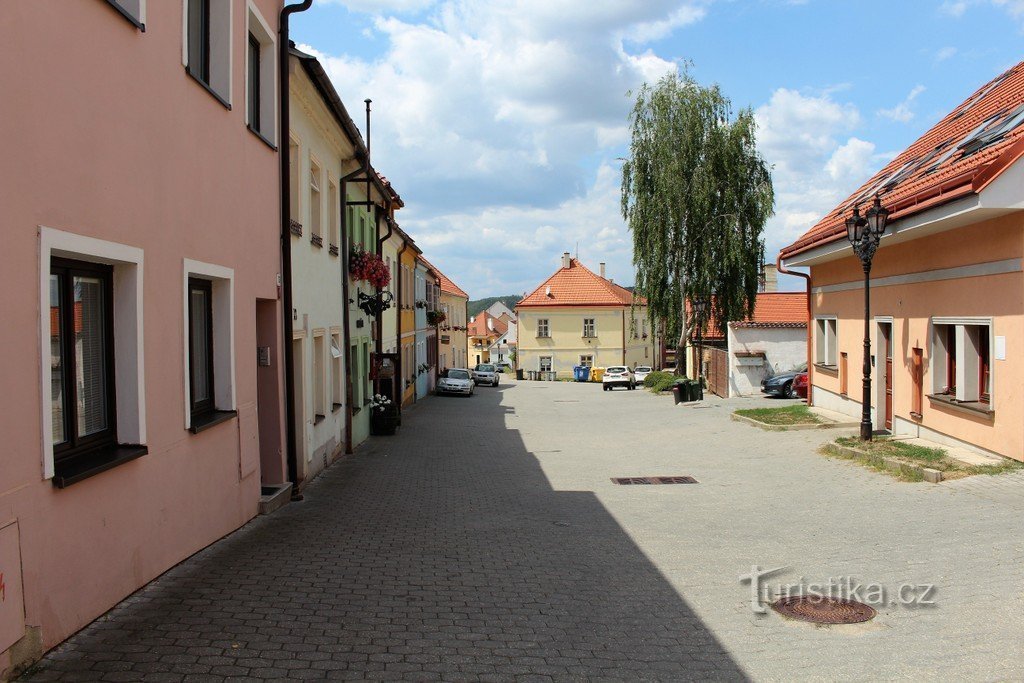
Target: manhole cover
{"x": 633, "y": 481}
{"x": 823, "y": 610}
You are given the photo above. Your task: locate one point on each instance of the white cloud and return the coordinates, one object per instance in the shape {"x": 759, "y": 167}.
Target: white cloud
{"x": 902, "y": 112}
{"x": 958, "y": 8}
{"x": 945, "y": 53}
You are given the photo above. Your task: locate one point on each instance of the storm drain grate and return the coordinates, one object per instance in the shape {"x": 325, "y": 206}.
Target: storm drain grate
{"x": 633, "y": 481}
{"x": 823, "y": 610}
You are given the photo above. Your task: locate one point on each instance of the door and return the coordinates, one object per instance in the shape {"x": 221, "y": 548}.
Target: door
{"x": 887, "y": 355}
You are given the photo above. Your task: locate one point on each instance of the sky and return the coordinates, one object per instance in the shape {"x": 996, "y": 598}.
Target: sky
{"x": 503, "y": 124}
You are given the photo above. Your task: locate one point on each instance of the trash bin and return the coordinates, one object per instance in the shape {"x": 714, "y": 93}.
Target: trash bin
{"x": 597, "y": 374}
{"x": 677, "y": 393}
{"x": 581, "y": 373}
{"x": 531, "y": 375}
{"x": 519, "y": 373}
{"x": 693, "y": 390}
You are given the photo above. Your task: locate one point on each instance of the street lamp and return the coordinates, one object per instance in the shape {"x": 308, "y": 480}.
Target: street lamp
{"x": 864, "y": 233}
{"x": 699, "y": 306}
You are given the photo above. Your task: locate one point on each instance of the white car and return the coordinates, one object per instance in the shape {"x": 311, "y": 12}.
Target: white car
{"x": 486, "y": 373}
{"x": 456, "y": 381}
{"x": 641, "y": 372}
{"x": 618, "y": 376}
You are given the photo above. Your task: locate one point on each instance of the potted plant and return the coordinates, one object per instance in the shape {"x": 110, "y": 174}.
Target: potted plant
{"x": 383, "y": 416}
{"x": 369, "y": 267}
{"x": 435, "y": 317}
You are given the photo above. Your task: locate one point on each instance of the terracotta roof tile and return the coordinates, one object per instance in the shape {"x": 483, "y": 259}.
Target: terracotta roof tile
{"x": 447, "y": 286}
{"x": 478, "y": 326}
{"x": 577, "y": 285}
{"x": 937, "y": 169}
{"x": 771, "y": 309}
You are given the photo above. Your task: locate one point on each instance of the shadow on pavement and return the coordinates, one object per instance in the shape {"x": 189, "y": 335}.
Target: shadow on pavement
{"x": 439, "y": 553}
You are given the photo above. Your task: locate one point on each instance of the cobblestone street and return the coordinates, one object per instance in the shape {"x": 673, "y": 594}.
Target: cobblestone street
{"x": 486, "y": 542}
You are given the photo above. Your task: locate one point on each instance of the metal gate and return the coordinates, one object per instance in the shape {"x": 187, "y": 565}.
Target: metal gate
{"x": 716, "y": 369}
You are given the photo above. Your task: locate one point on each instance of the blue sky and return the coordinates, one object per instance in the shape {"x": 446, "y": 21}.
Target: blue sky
{"x": 502, "y": 123}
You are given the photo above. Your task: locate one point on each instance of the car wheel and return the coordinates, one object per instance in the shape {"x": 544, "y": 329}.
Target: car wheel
{"x": 789, "y": 391}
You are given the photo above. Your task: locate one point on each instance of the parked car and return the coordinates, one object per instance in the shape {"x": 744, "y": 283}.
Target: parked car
{"x": 486, "y": 373}
{"x": 456, "y": 381}
{"x": 618, "y": 376}
{"x": 781, "y": 384}
{"x": 641, "y": 372}
{"x": 800, "y": 385}
{"x": 503, "y": 367}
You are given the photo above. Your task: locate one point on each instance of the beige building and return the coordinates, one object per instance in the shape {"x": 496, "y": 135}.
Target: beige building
{"x": 578, "y": 317}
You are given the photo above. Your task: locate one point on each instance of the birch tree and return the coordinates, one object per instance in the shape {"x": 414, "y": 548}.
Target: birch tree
{"x": 696, "y": 195}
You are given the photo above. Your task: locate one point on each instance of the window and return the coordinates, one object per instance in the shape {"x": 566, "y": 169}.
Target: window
{"x": 132, "y": 10}
{"x": 364, "y": 373}
{"x": 545, "y": 363}
{"x": 315, "y": 204}
{"x": 843, "y": 373}
{"x": 588, "y": 327}
{"x": 587, "y": 361}
{"x": 200, "y": 348}
{"x": 207, "y": 46}
{"x": 81, "y": 358}
{"x": 293, "y": 191}
{"x": 961, "y": 361}
{"x": 542, "y": 328}
{"x": 319, "y": 379}
{"x": 917, "y": 375}
{"x": 261, "y": 77}
{"x": 825, "y": 342}
{"x": 332, "y": 213}
{"x": 357, "y": 383}
{"x": 337, "y": 378}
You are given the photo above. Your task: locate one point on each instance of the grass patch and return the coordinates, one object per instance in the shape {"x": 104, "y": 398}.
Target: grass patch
{"x": 788, "y": 415}
{"x": 902, "y": 459}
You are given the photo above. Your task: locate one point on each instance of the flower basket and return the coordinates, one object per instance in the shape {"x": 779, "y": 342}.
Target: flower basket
{"x": 369, "y": 267}
{"x": 384, "y": 418}
{"x": 435, "y": 317}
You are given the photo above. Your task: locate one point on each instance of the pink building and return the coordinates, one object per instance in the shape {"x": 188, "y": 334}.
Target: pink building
{"x": 142, "y": 324}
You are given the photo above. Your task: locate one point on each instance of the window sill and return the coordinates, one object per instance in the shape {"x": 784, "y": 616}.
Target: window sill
{"x": 262, "y": 137}
{"x": 200, "y": 423}
{"x": 318, "y": 419}
{"x": 827, "y": 368}
{"x": 295, "y": 227}
{"x": 127, "y": 15}
{"x": 207, "y": 88}
{"x": 91, "y": 464}
{"x": 316, "y": 241}
{"x": 336, "y": 407}
{"x": 333, "y": 249}
{"x": 972, "y": 407}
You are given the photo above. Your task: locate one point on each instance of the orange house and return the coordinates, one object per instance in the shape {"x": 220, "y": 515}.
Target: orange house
{"x": 947, "y": 287}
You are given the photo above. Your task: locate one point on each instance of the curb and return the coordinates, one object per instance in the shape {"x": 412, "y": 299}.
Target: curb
{"x": 928, "y": 474}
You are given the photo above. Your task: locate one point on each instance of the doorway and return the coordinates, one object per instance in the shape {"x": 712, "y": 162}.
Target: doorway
{"x": 885, "y": 353}
{"x": 298, "y": 385}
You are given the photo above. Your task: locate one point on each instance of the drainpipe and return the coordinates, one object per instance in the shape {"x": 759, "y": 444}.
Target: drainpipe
{"x": 286, "y": 241}
{"x": 364, "y": 165}
{"x": 782, "y": 269}
{"x": 623, "y": 336}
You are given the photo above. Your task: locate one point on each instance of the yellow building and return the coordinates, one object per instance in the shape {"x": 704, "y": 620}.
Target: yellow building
{"x": 406, "y": 299}
{"x": 482, "y": 332}
{"x": 578, "y": 317}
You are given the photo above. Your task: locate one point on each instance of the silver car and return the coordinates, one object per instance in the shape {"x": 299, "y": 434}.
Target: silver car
{"x": 486, "y": 373}
{"x": 456, "y": 381}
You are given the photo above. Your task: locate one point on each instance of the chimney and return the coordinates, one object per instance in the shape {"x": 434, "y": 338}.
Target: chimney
{"x": 565, "y": 259}
{"x": 769, "y": 278}
{"x": 602, "y": 269}
{"x": 547, "y": 291}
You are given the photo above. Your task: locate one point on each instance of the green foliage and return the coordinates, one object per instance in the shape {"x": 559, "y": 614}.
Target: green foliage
{"x": 659, "y": 381}
{"x": 475, "y": 307}
{"x": 696, "y": 195}
{"x": 786, "y": 415}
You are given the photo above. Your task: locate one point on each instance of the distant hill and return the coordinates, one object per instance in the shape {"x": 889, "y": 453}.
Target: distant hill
{"x": 509, "y": 300}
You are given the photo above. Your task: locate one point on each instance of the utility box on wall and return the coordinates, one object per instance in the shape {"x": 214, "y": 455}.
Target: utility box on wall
{"x": 12, "y": 601}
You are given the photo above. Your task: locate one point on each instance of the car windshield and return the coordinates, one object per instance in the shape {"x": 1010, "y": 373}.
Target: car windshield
{"x": 616, "y": 369}
{"x": 458, "y": 374}
{"x": 643, "y": 368}
{"x": 485, "y": 368}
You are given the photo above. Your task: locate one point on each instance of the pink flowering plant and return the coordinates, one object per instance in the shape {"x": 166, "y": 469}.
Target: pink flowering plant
{"x": 367, "y": 266}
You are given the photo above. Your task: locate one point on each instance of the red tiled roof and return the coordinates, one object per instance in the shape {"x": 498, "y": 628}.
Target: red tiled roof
{"x": 479, "y": 328}
{"x": 578, "y": 286}
{"x": 447, "y": 285}
{"x": 936, "y": 169}
{"x": 771, "y": 310}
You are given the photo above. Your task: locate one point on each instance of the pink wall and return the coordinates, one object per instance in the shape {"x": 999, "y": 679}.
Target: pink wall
{"x": 912, "y": 306}
{"x": 108, "y": 137}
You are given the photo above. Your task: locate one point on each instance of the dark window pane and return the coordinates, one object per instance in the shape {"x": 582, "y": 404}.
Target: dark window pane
{"x": 199, "y": 311}
{"x": 90, "y": 355}
{"x": 199, "y": 39}
{"x": 57, "y": 396}
{"x": 254, "y": 82}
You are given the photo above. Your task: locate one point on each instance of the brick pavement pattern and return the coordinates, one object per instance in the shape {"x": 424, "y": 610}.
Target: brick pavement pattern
{"x": 487, "y": 542}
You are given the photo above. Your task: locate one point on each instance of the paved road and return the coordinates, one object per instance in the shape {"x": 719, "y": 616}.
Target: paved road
{"x": 487, "y": 542}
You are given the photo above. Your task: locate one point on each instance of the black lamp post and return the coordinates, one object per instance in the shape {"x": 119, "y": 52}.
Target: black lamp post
{"x": 864, "y": 233}
{"x": 699, "y": 306}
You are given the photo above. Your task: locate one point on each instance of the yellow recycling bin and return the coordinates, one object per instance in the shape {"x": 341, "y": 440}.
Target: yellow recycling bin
{"x": 596, "y": 374}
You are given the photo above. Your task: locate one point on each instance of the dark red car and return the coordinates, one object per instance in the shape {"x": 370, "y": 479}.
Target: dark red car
{"x": 800, "y": 385}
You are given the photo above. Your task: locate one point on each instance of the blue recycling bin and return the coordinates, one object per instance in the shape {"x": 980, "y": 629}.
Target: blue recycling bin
{"x": 582, "y": 373}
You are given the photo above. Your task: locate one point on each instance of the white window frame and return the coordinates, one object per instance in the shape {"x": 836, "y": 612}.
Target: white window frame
{"x": 543, "y": 328}
{"x": 314, "y": 185}
{"x": 222, "y": 281}
{"x": 221, "y": 47}
{"x": 967, "y": 367}
{"x": 591, "y": 327}
{"x": 826, "y": 340}
{"x": 258, "y": 26}
{"x": 584, "y": 362}
{"x": 540, "y": 363}
{"x": 136, "y": 15}
{"x": 129, "y": 373}
{"x": 337, "y": 369}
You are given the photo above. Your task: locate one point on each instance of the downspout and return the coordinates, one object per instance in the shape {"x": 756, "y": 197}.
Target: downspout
{"x": 364, "y": 164}
{"x": 782, "y": 269}
{"x": 284, "y": 159}
{"x": 623, "y": 336}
